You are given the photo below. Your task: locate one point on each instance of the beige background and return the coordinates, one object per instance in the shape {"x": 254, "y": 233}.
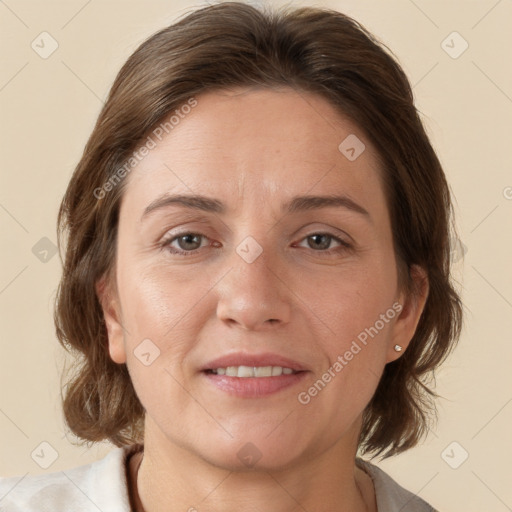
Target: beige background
{"x": 48, "y": 107}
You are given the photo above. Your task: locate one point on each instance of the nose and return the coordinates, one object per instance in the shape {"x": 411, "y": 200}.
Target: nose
{"x": 254, "y": 296}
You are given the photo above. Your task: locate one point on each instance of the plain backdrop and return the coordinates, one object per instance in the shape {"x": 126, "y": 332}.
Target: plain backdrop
{"x": 48, "y": 108}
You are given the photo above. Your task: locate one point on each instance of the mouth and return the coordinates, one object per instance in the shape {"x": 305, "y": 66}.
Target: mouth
{"x": 252, "y": 371}
{"x": 253, "y": 376}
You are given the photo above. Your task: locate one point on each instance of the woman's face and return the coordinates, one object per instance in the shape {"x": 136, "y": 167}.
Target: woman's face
{"x": 217, "y": 294}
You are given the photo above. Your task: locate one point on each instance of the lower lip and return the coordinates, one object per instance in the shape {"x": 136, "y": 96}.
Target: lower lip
{"x": 254, "y": 387}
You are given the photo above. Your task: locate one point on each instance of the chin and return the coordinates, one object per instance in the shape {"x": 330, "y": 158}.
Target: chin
{"x": 250, "y": 458}
{"x": 253, "y": 451}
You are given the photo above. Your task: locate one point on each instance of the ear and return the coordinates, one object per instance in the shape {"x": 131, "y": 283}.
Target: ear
{"x": 112, "y": 314}
{"x": 412, "y": 305}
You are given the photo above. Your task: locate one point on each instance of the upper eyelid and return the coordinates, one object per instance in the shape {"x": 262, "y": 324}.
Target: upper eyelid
{"x": 203, "y": 223}
{"x": 325, "y": 230}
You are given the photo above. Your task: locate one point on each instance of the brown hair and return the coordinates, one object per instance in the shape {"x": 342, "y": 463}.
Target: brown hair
{"x": 233, "y": 44}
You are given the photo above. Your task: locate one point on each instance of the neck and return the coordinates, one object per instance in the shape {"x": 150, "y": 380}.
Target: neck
{"x": 174, "y": 479}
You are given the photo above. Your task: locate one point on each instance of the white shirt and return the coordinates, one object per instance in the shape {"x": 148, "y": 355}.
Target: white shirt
{"x": 102, "y": 486}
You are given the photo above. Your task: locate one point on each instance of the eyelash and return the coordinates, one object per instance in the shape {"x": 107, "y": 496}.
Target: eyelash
{"x": 166, "y": 244}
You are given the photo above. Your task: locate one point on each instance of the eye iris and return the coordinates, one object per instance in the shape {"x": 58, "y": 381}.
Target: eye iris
{"x": 324, "y": 245}
{"x": 196, "y": 244}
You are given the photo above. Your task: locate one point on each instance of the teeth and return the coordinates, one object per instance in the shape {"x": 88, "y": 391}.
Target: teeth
{"x": 276, "y": 371}
{"x": 262, "y": 371}
{"x": 245, "y": 371}
{"x": 253, "y": 371}
{"x": 232, "y": 371}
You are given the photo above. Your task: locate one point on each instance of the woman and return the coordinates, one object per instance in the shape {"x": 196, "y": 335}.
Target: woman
{"x": 256, "y": 276}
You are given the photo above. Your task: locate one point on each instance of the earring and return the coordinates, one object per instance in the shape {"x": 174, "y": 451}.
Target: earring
{"x": 398, "y": 348}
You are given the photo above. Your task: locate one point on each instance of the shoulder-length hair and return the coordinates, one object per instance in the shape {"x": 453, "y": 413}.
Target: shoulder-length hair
{"x": 227, "y": 45}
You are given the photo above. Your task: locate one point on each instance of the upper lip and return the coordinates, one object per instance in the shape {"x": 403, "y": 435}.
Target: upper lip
{"x": 244, "y": 359}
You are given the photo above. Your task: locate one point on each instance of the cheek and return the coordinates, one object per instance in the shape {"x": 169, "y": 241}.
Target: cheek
{"x": 355, "y": 307}
{"x": 349, "y": 299}
{"x": 155, "y": 300}
{"x": 161, "y": 320}
{"x": 341, "y": 389}
{"x": 159, "y": 332}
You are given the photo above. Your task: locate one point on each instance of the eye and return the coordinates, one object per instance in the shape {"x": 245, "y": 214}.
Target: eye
{"x": 322, "y": 241}
{"x": 184, "y": 244}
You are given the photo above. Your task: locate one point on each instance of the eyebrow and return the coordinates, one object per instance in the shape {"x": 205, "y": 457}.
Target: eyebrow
{"x": 295, "y": 204}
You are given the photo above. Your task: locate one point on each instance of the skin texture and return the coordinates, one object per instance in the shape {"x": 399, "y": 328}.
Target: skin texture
{"x": 253, "y": 150}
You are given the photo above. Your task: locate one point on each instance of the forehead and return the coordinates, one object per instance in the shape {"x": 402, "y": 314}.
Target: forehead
{"x": 257, "y": 144}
